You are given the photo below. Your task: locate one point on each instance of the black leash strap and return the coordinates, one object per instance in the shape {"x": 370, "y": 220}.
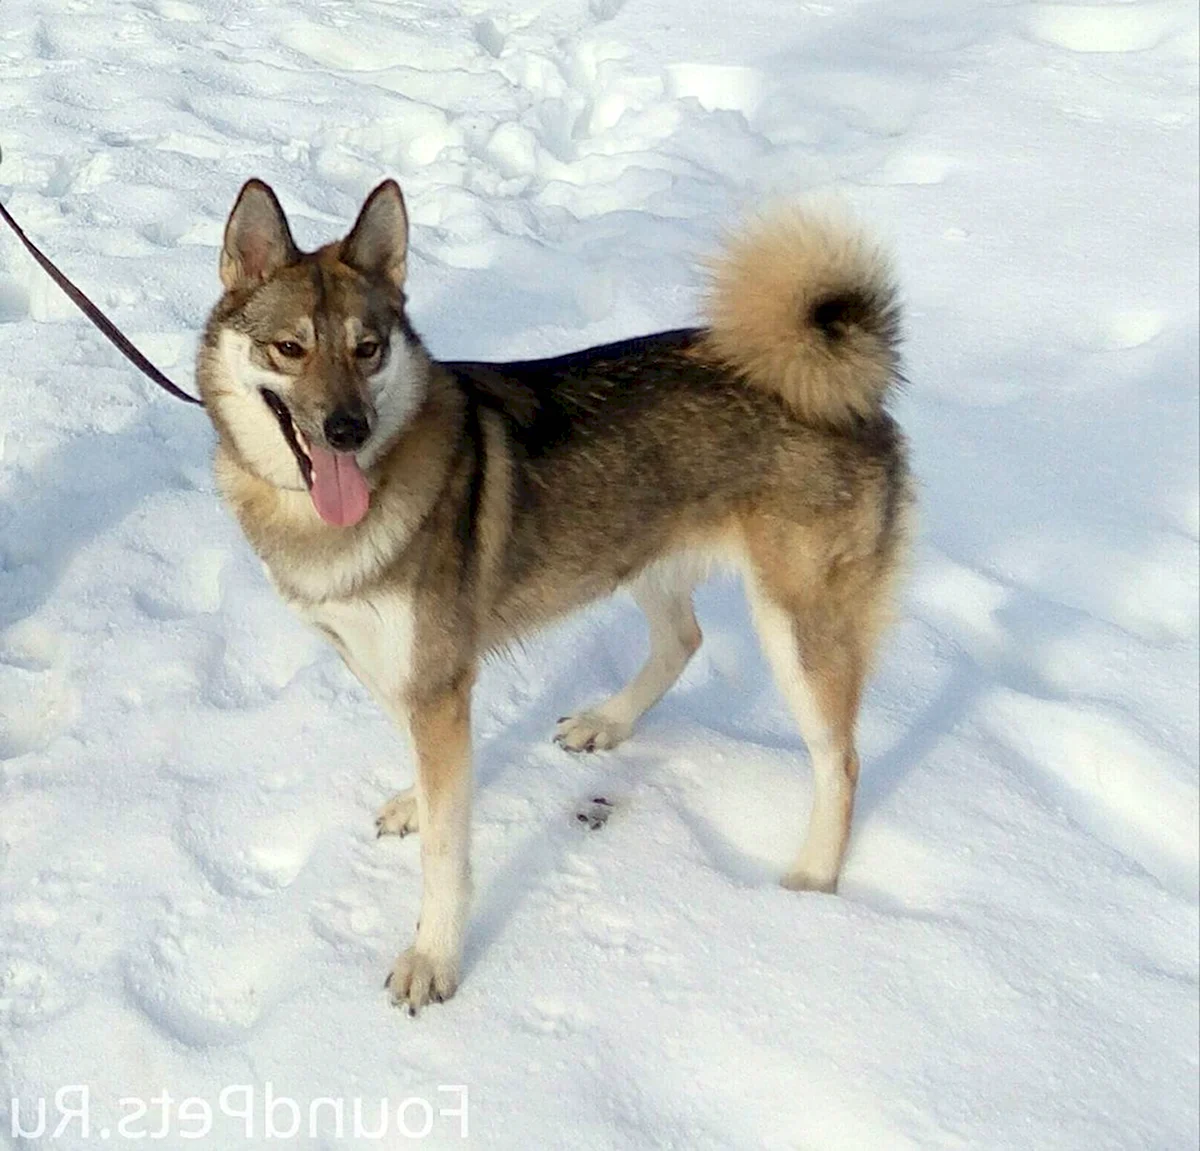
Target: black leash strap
{"x": 93, "y": 313}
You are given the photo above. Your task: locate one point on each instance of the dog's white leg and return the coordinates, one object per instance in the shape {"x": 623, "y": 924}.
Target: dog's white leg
{"x": 674, "y": 638}
{"x": 825, "y": 719}
{"x": 428, "y": 971}
{"x": 382, "y": 674}
{"x": 400, "y": 815}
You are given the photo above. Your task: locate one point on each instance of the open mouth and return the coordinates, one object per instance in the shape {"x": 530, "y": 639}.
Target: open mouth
{"x": 280, "y": 411}
{"x": 334, "y": 480}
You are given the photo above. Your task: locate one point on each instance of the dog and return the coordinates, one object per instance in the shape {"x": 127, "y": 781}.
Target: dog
{"x": 421, "y": 514}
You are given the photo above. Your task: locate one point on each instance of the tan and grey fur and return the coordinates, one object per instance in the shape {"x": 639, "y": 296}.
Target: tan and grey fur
{"x": 505, "y": 495}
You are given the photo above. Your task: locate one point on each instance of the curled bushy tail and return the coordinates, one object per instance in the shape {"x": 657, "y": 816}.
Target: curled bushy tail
{"x": 806, "y": 307}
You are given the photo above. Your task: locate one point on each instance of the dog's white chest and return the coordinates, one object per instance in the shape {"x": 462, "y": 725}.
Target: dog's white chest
{"x": 374, "y": 635}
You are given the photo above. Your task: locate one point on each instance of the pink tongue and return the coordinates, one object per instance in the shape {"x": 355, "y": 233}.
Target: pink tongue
{"x": 339, "y": 491}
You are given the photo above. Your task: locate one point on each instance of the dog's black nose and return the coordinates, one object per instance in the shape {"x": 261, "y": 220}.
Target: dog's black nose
{"x": 346, "y": 429}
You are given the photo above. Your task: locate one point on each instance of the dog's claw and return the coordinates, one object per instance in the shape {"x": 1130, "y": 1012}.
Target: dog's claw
{"x": 398, "y": 816}
{"x": 417, "y": 980}
{"x": 590, "y": 732}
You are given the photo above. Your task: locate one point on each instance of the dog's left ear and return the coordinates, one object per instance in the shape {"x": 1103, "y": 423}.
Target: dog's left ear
{"x": 378, "y": 242}
{"x": 258, "y": 241}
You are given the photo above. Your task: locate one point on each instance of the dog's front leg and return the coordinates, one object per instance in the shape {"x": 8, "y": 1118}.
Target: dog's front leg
{"x": 440, "y": 724}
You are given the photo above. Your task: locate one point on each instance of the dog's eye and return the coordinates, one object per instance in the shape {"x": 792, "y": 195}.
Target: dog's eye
{"x": 289, "y": 349}
{"x": 365, "y": 349}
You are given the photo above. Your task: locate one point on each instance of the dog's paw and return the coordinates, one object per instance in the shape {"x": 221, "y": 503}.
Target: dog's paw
{"x": 398, "y": 816}
{"x": 590, "y": 731}
{"x": 801, "y": 880}
{"x": 595, "y": 814}
{"x": 418, "y": 978}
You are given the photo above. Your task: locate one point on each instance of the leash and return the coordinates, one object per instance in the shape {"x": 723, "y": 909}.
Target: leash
{"x": 107, "y": 328}
{"x": 127, "y": 348}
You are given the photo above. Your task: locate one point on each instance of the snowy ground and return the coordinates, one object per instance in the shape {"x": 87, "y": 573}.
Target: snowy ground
{"x": 191, "y": 897}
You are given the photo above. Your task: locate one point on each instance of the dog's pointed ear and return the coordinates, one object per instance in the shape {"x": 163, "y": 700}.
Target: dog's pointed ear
{"x": 378, "y": 242}
{"x": 258, "y": 241}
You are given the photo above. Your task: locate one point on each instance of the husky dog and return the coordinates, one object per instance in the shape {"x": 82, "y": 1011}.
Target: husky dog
{"x": 422, "y": 514}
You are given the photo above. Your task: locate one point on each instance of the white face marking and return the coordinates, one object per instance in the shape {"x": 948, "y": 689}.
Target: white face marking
{"x": 235, "y": 356}
{"x": 254, "y": 429}
{"x": 397, "y": 392}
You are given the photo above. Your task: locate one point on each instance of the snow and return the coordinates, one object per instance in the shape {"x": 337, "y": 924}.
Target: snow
{"x": 191, "y": 897}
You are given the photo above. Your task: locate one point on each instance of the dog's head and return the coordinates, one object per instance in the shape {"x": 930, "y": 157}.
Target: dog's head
{"x": 309, "y": 367}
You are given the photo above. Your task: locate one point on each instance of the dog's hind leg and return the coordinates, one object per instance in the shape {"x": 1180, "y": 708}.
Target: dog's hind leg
{"x": 665, "y": 595}
{"x": 818, "y": 654}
